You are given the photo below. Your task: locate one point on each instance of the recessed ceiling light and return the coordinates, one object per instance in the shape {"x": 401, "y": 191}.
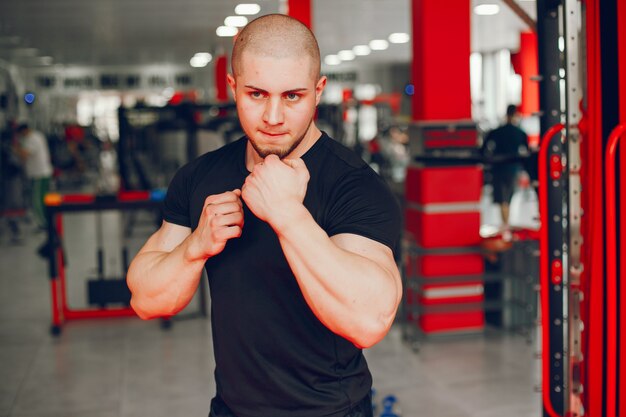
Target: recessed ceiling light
{"x": 247, "y": 9}
{"x": 346, "y": 55}
{"x": 332, "y": 60}
{"x": 198, "y": 62}
{"x": 379, "y": 45}
{"x": 399, "y": 38}
{"x": 226, "y": 31}
{"x": 487, "y": 9}
{"x": 236, "y": 21}
{"x": 361, "y": 50}
{"x": 204, "y": 55}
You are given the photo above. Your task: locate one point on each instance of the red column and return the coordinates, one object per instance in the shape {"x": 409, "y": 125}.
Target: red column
{"x": 221, "y": 87}
{"x": 441, "y": 55}
{"x": 301, "y": 10}
{"x": 526, "y": 64}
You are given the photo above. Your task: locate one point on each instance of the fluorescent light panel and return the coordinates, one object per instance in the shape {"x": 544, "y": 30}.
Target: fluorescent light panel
{"x": 487, "y": 9}
{"x": 346, "y": 55}
{"x": 248, "y": 9}
{"x": 332, "y": 60}
{"x": 399, "y": 38}
{"x": 379, "y": 45}
{"x": 236, "y": 21}
{"x": 361, "y": 50}
{"x": 226, "y": 31}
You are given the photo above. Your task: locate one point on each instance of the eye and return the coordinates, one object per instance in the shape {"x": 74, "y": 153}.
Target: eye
{"x": 256, "y": 94}
{"x": 292, "y": 97}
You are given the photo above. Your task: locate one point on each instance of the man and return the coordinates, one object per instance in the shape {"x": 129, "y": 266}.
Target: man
{"x": 506, "y": 141}
{"x": 296, "y": 235}
{"x": 32, "y": 148}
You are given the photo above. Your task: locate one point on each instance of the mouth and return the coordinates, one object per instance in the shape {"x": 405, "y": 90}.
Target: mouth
{"x": 273, "y": 134}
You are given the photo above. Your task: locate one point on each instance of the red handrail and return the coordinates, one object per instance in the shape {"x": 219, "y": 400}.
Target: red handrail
{"x": 544, "y": 268}
{"x": 611, "y": 269}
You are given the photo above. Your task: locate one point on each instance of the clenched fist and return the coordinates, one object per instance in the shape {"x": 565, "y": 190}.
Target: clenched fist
{"x": 221, "y": 220}
{"x": 274, "y": 187}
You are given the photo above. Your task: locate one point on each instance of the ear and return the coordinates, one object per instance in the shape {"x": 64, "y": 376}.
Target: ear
{"x": 232, "y": 84}
{"x": 319, "y": 89}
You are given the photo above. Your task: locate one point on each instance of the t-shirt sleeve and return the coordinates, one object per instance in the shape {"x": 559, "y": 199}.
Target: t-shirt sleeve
{"x": 176, "y": 203}
{"x": 362, "y": 204}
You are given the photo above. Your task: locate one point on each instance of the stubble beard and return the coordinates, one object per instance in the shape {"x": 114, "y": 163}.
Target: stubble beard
{"x": 281, "y": 153}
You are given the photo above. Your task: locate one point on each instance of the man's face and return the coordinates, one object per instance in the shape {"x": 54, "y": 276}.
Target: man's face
{"x": 276, "y": 100}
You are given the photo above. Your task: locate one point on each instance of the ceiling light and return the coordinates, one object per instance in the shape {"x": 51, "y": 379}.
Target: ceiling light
{"x": 487, "y": 9}
{"x": 379, "y": 45}
{"x": 361, "y": 50}
{"x": 236, "y": 21}
{"x": 198, "y": 62}
{"x": 247, "y": 9}
{"x": 399, "y": 38}
{"x": 226, "y": 31}
{"x": 346, "y": 55}
{"x": 332, "y": 60}
{"x": 204, "y": 55}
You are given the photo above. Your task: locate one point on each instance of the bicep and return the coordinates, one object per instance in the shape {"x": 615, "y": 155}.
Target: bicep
{"x": 370, "y": 249}
{"x": 168, "y": 237}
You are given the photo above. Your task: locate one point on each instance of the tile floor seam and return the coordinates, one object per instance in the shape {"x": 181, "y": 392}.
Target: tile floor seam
{"x": 24, "y": 378}
{"x": 123, "y": 377}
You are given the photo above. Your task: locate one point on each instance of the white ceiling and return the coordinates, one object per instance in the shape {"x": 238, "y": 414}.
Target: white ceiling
{"x": 139, "y": 32}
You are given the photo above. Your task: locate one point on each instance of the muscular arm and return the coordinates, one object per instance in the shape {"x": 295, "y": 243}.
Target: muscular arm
{"x": 351, "y": 283}
{"x": 163, "y": 278}
{"x": 165, "y": 274}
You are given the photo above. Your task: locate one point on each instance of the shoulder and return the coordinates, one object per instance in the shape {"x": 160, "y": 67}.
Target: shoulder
{"x": 340, "y": 155}
{"x": 226, "y": 154}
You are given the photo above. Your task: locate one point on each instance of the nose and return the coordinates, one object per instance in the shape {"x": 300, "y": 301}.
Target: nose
{"x": 273, "y": 114}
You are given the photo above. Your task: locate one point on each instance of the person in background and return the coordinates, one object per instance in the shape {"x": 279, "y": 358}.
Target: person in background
{"x": 32, "y": 148}
{"x": 507, "y": 140}
{"x": 296, "y": 234}
{"x": 11, "y": 181}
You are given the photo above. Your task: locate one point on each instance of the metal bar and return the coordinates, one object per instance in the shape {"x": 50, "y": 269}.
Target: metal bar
{"x": 572, "y": 26}
{"x": 621, "y": 68}
{"x": 58, "y": 252}
{"x": 594, "y": 369}
{"x": 544, "y": 270}
{"x": 521, "y": 13}
{"x": 611, "y": 269}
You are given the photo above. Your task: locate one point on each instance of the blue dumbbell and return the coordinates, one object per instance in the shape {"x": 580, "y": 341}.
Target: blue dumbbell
{"x": 388, "y": 403}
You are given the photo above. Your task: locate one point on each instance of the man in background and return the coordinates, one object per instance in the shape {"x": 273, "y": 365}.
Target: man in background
{"x": 507, "y": 140}
{"x": 32, "y": 149}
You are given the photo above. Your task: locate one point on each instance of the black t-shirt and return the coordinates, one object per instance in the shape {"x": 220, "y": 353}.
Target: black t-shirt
{"x": 274, "y": 358}
{"x": 507, "y": 140}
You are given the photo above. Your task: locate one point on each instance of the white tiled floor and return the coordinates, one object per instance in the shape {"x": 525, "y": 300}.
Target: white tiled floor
{"x": 126, "y": 367}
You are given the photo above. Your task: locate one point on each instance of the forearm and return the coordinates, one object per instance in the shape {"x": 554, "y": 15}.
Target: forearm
{"x": 163, "y": 283}
{"x": 352, "y": 295}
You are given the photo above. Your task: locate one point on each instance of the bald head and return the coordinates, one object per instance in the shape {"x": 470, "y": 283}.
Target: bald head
{"x": 276, "y": 36}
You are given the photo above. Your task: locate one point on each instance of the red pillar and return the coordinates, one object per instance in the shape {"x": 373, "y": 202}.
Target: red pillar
{"x": 221, "y": 87}
{"x": 301, "y": 10}
{"x": 441, "y": 60}
{"x": 526, "y": 64}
